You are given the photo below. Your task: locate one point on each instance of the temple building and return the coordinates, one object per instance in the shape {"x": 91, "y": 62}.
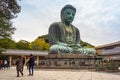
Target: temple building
{"x": 110, "y": 51}
{"x": 12, "y": 54}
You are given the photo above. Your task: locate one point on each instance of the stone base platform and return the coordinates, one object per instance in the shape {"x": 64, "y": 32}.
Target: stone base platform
{"x": 69, "y": 61}
{"x": 69, "y": 56}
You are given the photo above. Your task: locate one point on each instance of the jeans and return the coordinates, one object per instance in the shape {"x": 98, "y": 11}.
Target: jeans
{"x": 31, "y": 70}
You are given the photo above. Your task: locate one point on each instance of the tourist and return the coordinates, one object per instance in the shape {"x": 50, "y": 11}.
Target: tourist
{"x": 31, "y": 63}
{"x": 5, "y": 64}
{"x": 19, "y": 65}
{"x": 23, "y": 62}
{"x": 8, "y": 64}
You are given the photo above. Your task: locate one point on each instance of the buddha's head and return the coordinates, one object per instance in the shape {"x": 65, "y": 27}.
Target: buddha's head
{"x": 67, "y": 14}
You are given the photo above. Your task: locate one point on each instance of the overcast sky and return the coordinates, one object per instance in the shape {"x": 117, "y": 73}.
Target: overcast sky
{"x": 97, "y": 20}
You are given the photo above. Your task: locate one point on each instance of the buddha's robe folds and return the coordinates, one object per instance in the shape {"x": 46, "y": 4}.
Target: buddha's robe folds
{"x": 64, "y": 39}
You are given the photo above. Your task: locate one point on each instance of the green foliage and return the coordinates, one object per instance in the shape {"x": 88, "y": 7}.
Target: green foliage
{"x": 7, "y": 43}
{"x": 8, "y": 11}
{"x": 40, "y": 44}
{"x": 45, "y": 37}
{"x": 6, "y": 29}
{"x": 3, "y": 57}
{"x": 23, "y": 44}
{"x": 1, "y": 49}
{"x": 97, "y": 52}
{"x": 85, "y": 44}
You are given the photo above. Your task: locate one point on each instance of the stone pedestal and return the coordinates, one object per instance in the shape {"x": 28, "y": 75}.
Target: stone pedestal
{"x": 69, "y": 61}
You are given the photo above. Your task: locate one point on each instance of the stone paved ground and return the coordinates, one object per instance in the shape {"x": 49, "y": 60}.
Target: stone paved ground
{"x": 50, "y": 74}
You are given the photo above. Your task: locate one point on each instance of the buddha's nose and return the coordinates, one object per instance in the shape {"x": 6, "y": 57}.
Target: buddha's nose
{"x": 70, "y": 17}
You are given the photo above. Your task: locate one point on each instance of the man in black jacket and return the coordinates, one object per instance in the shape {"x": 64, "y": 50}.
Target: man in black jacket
{"x": 31, "y": 63}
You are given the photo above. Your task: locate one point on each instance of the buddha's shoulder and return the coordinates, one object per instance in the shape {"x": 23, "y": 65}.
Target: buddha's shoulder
{"x": 55, "y": 24}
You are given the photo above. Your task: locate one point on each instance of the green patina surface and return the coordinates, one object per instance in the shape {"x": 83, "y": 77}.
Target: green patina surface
{"x": 65, "y": 37}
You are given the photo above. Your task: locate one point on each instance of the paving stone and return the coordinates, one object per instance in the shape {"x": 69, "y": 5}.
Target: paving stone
{"x": 58, "y": 74}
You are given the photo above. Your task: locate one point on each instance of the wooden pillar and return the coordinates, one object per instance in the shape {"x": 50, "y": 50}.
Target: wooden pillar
{"x": 37, "y": 61}
{"x": 10, "y": 59}
{"x": 25, "y": 59}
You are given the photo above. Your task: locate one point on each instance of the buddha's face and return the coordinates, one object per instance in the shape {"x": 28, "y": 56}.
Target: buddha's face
{"x": 68, "y": 15}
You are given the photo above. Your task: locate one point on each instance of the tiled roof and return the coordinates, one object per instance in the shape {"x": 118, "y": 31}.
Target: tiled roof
{"x": 110, "y": 44}
{"x": 24, "y": 52}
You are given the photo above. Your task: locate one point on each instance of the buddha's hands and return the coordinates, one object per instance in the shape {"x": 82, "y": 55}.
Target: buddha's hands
{"x": 61, "y": 43}
{"x": 78, "y": 45}
{"x": 74, "y": 45}
{"x": 69, "y": 45}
